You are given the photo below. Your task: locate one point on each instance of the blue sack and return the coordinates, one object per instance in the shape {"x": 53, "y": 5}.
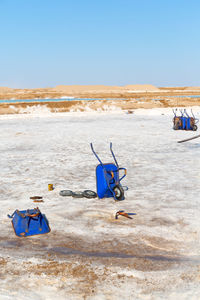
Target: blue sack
{"x": 29, "y": 222}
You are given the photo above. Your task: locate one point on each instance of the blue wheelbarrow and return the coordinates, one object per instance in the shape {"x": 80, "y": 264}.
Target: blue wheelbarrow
{"x": 190, "y": 121}
{"x": 107, "y": 178}
{"x": 184, "y": 122}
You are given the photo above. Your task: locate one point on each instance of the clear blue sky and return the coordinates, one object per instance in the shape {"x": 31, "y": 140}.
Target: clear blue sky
{"x": 44, "y": 43}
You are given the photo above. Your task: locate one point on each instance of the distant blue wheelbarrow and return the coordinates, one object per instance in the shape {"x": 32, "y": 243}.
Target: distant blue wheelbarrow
{"x": 184, "y": 122}
{"x": 107, "y": 178}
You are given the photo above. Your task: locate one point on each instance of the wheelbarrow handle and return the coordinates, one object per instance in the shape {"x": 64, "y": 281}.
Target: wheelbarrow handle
{"x": 174, "y": 112}
{"x": 197, "y": 120}
{"x": 125, "y": 173}
{"x": 113, "y": 155}
{"x": 181, "y": 111}
{"x": 185, "y": 112}
{"x": 96, "y": 154}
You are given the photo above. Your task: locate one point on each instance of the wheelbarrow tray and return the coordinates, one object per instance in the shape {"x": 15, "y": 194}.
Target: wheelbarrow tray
{"x": 104, "y": 181}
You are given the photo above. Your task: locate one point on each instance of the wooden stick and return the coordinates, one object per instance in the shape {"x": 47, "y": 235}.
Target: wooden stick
{"x": 192, "y": 138}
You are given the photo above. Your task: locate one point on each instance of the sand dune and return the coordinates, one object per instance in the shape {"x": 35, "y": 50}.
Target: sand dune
{"x": 142, "y": 87}
{"x": 84, "y": 88}
{"x": 79, "y": 88}
{"x": 4, "y": 89}
{"x": 193, "y": 88}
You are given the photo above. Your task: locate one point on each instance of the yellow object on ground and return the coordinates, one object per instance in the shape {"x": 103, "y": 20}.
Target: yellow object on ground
{"x": 50, "y": 187}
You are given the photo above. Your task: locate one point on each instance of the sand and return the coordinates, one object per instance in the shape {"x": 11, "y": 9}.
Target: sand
{"x": 129, "y": 97}
{"x": 5, "y": 89}
{"x": 102, "y": 105}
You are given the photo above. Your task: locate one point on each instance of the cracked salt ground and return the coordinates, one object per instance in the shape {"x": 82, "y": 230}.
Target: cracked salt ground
{"x": 88, "y": 254}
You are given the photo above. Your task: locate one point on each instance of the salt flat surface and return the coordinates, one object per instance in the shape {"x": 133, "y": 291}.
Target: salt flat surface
{"x": 88, "y": 254}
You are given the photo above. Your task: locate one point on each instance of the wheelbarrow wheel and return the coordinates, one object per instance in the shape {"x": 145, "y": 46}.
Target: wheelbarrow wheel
{"x": 176, "y": 126}
{"x": 119, "y": 192}
{"x": 194, "y": 128}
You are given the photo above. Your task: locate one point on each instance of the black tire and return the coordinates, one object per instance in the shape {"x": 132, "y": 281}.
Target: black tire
{"x": 176, "y": 127}
{"x": 65, "y": 193}
{"x": 77, "y": 194}
{"x": 89, "y": 194}
{"x": 194, "y": 128}
{"x": 119, "y": 192}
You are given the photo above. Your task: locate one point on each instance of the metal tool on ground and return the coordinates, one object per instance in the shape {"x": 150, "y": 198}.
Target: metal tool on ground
{"x": 189, "y": 139}
{"x": 29, "y": 222}
{"x": 36, "y": 197}
{"x": 184, "y": 121}
{"x": 124, "y": 214}
{"x": 38, "y": 200}
{"x": 107, "y": 178}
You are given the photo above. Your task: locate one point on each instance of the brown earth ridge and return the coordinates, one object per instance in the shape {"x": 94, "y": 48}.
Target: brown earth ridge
{"x": 128, "y": 97}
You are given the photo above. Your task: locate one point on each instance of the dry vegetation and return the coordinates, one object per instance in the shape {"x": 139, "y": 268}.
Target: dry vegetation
{"x": 127, "y": 98}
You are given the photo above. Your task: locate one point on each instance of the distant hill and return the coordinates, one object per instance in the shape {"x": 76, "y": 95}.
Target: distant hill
{"x": 86, "y": 87}
{"x": 131, "y": 87}
{"x": 193, "y": 88}
{"x": 5, "y": 89}
{"x": 141, "y": 87}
